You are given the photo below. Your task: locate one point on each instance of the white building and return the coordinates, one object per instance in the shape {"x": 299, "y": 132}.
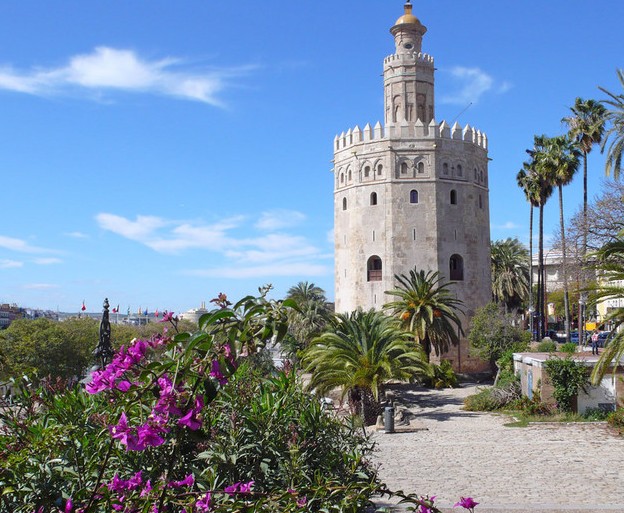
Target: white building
{"x": 412, "y": 193}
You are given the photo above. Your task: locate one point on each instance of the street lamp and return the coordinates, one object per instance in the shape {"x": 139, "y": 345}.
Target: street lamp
{"x": 104, "y": 350}
{"x": 581, "y": 330}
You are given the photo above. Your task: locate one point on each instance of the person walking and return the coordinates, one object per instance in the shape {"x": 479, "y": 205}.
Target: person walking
{"x": 594, "y": 342}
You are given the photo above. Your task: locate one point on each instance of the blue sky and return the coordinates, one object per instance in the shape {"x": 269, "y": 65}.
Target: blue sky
{"x": 158, "y": 153}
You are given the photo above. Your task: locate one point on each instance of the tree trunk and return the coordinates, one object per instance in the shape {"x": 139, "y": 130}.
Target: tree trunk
{"x": 581, "y": 310}
{"x": 566, "y": 296}
{"x": 531, "y": 269}
{"x": 540, "y": 275}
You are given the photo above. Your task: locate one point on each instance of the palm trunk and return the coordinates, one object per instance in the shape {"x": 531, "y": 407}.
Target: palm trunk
{"x": 540, "y": 275}
{"x": 566, "y": 297}
{"x": 531, "y": 269}
{"x": 581, "y": 310}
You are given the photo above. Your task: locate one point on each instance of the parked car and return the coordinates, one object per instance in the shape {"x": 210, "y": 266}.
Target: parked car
{"x": 603, "y": 337}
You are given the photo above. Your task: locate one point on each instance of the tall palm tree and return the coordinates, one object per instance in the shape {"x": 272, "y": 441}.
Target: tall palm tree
{"x": 586, "y": 126}
{"x": 526, "y": 179}
{"x": 360, "y": 352}
{"x": 510, "y": 273}
{"x": 558, "y": 160}
{"x": 610, "y": 263}
{"x": 428, "y": 310}
{"x": 308, "y": 319}
{"x": 615, "y": 133}
{"x": 543, "y": 191}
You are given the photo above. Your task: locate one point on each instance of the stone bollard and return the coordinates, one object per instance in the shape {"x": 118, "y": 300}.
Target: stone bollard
{"x": 389, "y": 419}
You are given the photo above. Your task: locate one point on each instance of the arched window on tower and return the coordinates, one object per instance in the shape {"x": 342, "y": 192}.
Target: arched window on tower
{"x": 445, "y": 169}
{"x": 403, "y": 168}
{"x": 373, "y": 198}
{"x": 480, "y": 201}
{"x": 344, "y": 203}
{"x": 456, "y": 268}
{"x": 459, "y": 170}
{"x": 341, "y": 177}
{"x": 379, "y": 169}
{"x": 349, "y": 176}
{"x": 453, "y": 197}
{"x": 373, "y": 269}
{"x": 421, "y": 168}
{"x": 413, "y": 196}
{"x": 366, "y": 171}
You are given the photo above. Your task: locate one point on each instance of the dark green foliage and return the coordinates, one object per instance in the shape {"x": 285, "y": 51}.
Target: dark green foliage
{"x": 492, "y": 334}
{"x": 567, "y": 377}
{"x": 616, "y": 419}
{"x": 441, "y": 376}
{"x": 482, "y": 401}
{"x": 568, "y": 347}
{"x": 546, "y": 346}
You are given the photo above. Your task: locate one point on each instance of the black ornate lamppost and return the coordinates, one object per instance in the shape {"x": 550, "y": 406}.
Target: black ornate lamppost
{"x": 104, "y": 351}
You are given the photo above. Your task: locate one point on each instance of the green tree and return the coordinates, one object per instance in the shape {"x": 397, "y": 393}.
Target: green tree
{"x": 308, "y": 319}
{"x": 559, "y": 161}
{"x": 510, "y": 273}
{"x": 615, "y": 133}
{"x": 567, "y": 377}
{"x": 44, "y": 348}
{"x": 610, "y": 264}
{"x": 359, "y": 353}
{"x": 541, "y": 190}
{"x": 427, "y": 309}
{"x": 492, "y": 333}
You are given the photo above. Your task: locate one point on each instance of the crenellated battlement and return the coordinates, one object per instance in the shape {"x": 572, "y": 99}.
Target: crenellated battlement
{"x": 417, "y": 130}
{"x": 417, "y": 56}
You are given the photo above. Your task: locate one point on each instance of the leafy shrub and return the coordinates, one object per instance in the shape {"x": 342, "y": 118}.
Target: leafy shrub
{"x": 596, "y": 414}
{"x": 483, "y": 400}
{"x": 566, "y": 376}
{"x": 441, "y": 376}
{"x": 616, "y": 419}
{"x": 568, "y": 347}
{"x": 168, "y": 426}
{"x": 546, "y": 346}
{"x": 532, "y": 407}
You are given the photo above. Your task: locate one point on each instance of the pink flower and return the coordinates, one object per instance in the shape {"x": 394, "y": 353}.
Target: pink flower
{"x": 190, "y": 420}
{"x": 187, "y": 481}
{"x": 242, "y": 488}
{"x": 121, "y": 431}
{"x": 69, "y": 506}
{"x": 302, "y": 501}
{"x": 466, "y": 503}
{"x": 204, "y": 505}
{"x": 245, "y": 487}
{"x": 217, "y": 374}
{"x": 167, "y": 317}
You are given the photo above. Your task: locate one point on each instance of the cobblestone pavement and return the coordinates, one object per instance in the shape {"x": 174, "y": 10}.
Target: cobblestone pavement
{"x": 546, "y": 468}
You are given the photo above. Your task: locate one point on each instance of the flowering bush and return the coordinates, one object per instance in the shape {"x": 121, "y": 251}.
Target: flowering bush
{"x": 153, "y": 432}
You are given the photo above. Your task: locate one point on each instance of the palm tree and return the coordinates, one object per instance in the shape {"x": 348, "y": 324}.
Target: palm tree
{"x": 558, "y": 160}
{"x": 308, "y": 319}
{"x": 428, "y": 310}
{"x": 543, "y": 190}
{"x": 526, "y": 179}
{"x": 615, "y": 133}
{"x": 586, "y": 126}
{"x": 360, "y": 352}
{"x": 610, "y": 261}
{"x": 510, "y": 273}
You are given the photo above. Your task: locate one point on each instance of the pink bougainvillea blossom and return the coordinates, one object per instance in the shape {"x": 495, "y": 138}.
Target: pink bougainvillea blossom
{"x": 204, "y": 504}
{"x": 466, "y": 503}
{"x": 242, "y": 488}
{"x": 216, "y": 373}
{"x": 187, "y": 481}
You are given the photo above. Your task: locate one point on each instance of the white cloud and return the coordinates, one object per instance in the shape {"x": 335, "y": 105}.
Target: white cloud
{"x": 469, "y": 85}
{"x": 278, "y": 219}
{"x": 272, "y": 254}
{"x": 77, "y": 235}
{"x": 41, "y": 286}
{"x": 108, "y": 68}
{"x": 20, "y": 245}
{"x": 509, "y": 225}
{"x": 47, "y": 261}
{"x": 10, "y": 264}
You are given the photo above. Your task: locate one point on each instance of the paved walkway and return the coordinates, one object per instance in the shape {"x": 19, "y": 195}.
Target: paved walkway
{"x": 546, "y": 468}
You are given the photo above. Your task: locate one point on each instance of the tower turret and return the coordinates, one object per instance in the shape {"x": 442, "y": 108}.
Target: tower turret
{"x": 408, "y": 74}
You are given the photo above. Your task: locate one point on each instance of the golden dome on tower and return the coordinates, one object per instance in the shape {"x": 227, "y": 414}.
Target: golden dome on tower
{"x": 408, "y": 17}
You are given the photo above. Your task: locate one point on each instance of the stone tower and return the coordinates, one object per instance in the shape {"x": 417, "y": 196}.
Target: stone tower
{"x": 411, "y": 193}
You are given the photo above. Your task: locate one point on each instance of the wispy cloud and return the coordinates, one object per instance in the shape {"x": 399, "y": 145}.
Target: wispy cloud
{"x": 41, "y": 286}
{"x": 21, "y": 246}
{"x": 77, "y": 235}
{"x": 47, "y": 261}
{"x": 469, "y": 85}
{"x": 278, "y": 219}
{"x": 276, "y": 253}
{"x": 109, "y": 69}
{"x": 509, "y": 225}
{"x": 10, "y": 264}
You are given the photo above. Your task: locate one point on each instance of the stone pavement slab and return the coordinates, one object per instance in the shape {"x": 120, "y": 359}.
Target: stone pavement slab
{"x": 547, "y": 468}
